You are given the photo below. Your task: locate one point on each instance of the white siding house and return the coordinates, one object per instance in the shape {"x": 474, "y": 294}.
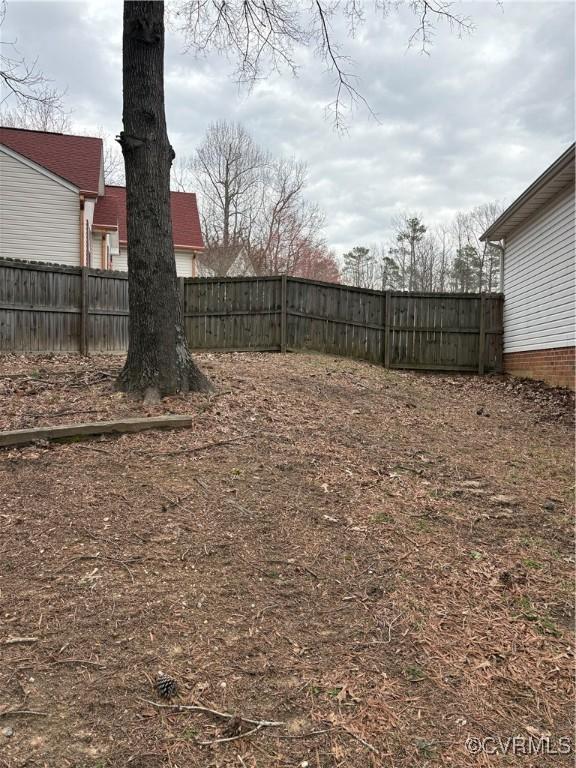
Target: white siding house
{"x": 39, "y": 213}
{"x": 539, "y": 279}
{"x": 184, "y": 262}
{"x": 55, "y": 206}
{"x": 538, "y": 235}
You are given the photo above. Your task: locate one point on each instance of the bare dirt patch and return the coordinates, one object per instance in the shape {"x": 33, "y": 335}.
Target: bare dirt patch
{"x": 380, "y": 560}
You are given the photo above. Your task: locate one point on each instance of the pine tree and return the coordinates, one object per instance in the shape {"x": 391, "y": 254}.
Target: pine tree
{"x": 412, "y": 235}
{"x": 359, "y": 267}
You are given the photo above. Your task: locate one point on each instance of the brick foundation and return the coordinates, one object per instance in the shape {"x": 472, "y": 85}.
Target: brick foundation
{"x": 554, "y": 366}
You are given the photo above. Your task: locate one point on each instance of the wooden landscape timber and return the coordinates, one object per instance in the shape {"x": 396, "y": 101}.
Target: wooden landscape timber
{"x": 52, "y": 308}
{"x": 67, "y": 431}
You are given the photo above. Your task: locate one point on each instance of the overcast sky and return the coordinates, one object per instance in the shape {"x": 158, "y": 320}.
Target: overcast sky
{"x": 477, "y": 120}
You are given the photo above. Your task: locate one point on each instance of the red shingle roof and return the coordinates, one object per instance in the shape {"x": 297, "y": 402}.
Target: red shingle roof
{"x": 74, "y": 158}
{"x": 106, "y": 212}
{"x": 185, "y": 219}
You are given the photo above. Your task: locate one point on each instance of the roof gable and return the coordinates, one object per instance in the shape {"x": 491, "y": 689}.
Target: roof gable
{"x": 77, "y": 159}
{"x": 186, "y": 229}
{"x": 106, "y": 213}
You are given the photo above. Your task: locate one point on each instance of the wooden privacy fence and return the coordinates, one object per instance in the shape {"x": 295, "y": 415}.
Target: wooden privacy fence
{"x": 52, "y": 308}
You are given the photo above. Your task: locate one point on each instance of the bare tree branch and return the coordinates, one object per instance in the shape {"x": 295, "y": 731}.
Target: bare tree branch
{"x": 440, "y": 10}
{"x": 263, "y": 35}
{"x": 22, "y": 82}
{"x": 44, "y": 113}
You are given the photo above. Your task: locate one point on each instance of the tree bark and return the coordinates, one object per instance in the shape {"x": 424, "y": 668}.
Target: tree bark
{"x": 158, "y": 360}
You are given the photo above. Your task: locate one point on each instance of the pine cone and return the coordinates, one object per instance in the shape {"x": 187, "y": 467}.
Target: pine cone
{"x": 166, "y": 687}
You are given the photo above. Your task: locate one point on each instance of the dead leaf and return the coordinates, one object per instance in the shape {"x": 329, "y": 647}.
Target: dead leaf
{"x": 345, "y": 694}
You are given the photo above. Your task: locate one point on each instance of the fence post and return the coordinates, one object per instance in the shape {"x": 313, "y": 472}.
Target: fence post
{"x": 84, "y": 306}
{"x": 283, "y": 312}
{"x": 387, "y": 318}
{"x": 481, "y": 335}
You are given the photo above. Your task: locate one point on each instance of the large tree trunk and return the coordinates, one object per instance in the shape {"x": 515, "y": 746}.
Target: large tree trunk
{"x": 158, "y": 361}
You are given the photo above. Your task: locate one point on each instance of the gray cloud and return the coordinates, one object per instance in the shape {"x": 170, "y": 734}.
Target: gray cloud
{"x": 476, "y": 120}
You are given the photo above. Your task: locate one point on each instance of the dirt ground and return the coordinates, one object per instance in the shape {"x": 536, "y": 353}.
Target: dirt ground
{"x": 381, "y": 561}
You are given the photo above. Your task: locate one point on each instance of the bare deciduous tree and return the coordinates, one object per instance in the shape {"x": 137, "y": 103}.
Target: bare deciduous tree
{"x": 229, "y": 169}
{"x": 481, "y": 218}
{"x": 288, "y": 225}
{"x": 39, "y": 114}
{"x": 262, "y": 35}
{"x": 252, "y": 204}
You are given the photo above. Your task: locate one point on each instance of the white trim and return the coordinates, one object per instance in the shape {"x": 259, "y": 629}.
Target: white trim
{"x": 36, "y": 167}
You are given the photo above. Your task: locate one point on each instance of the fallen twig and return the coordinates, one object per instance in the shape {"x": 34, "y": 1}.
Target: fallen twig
{"x": 23, "y": 712}
{"x": 78, "y": 661}
{"x": 408, "y": 538}
{"x": 198, "y": 447}
{"x": 94, "y": 448}
{"x": 362, "y": 741}
{"x": 229, "y": 738}
{"x": 214, "y": 712}
{"x": 121, "y": 563}
{"x": 14, "y": 640}
{"x": 139, "y": 755}
{"x": 307, "y": 735}
{"x": 214, "y": 395}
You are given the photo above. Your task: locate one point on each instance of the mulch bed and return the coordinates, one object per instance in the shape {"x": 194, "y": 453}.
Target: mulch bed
{"x": 381, "y": 561}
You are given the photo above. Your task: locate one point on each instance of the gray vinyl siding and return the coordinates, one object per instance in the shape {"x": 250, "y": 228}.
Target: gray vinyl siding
{"x": 39, "y": 216}
{"x": 539, "y": 279}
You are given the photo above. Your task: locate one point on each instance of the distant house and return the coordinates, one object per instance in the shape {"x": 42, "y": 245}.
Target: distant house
{"x": 537, "y": 234}
{"x": 227, "y": 261}
{"x": 55, "y": 205}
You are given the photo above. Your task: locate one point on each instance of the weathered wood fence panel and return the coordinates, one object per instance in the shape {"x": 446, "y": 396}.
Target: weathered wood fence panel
{"x": 107, "y": 312}
{"x": 51, "y": 308}
{"x": 435, "y": 331}
{"x": 39, "y": 308}
{"x": 233, "y": 313}
{"x": 339, "y": 320}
